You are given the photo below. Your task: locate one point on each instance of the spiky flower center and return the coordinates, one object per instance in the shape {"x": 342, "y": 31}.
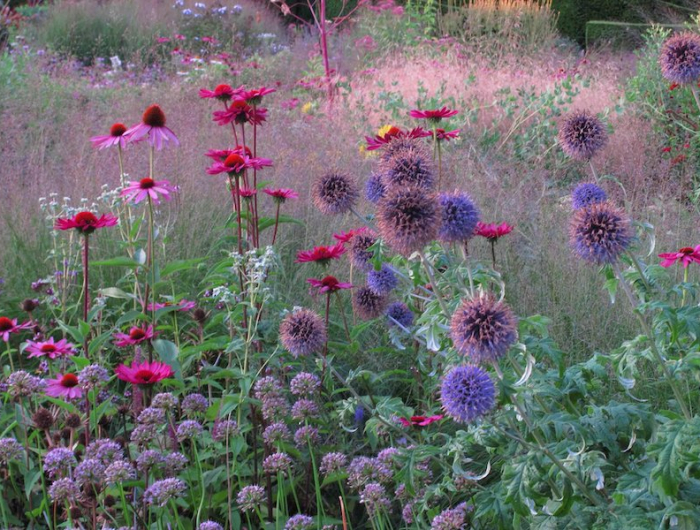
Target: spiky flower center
{"x": 118, "y": 129}
{"x": 86, "y": 219}
{"x": 47, "y": 348}
{"x": 5, "y": 324}
{"x": 69, "y": 381}
{"x": 234, "y": 160}
{"x": 137, "y": 334}
{"x": 154, "y": 116}
{"x": 144, "y": 376}
{"x": 686, "y": 251}
{"x": 147, "y": 183}
{"x": 223, "y": 92}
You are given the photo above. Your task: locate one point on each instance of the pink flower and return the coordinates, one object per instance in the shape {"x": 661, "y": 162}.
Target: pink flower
{"x": 329, "y": 284}
{"x": 236, "y": 163}
{"x": 240, "y": 112}
{"x": 321, "y": 254}
{"x": 420, "y": 421}
{"x": 52, "y": 349}
{"x": 162, "y": 40}
{"x": 344, "y": 237}
{"x": 153, "y": 129}
{"x": 146, "y": 373}
{"x": 281, "y": 194}
{"x": 443, "y": 135}
{"x": 433, "y": 116}
{"x": 210, "y": 40}
{"x": 221, "y": 92}
{"x": 8, "y": 326}
{"x": 394, "y": 132}
{"x": 290, "y": 104}
{"x": 686, "y": 255}
{"x": 85, "y": 222}
{"x": 254, "y": 97}
{"x": 492, "y": 231}
{"x": 136, "y": 336}
{"x": 247, "y": 193}
{"x": 147, "y": 187}
{"x": 179, "y": 37}
{"x": 64, "y": 386}
{"x": 115, "y": 137}
{"x": 366, "y": 43}
{"x": 182, "y": 305}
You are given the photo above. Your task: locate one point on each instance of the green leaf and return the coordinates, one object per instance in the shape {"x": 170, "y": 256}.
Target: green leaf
{"x": 168, "y": 353}
{"x": 121, "y": 261}
{"x": 179, "y": 265}
{"x": 672, "y": 451}
{"x": 267, "y": 222}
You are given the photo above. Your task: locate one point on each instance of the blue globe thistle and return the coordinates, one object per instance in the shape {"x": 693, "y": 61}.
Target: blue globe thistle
{"x": 586, "y": 194}
{"x": 680, "y": 58}
{"x": 412, "y": 166}
{"x": 382, "y": 281}
{"x": 359, "y": 255}
{"x": 303, "y": 332}
{"x": 334, "y": 193}
{"x": 459, "y": 217}
{"x": 582, "y": 135}
{"x": 367, "y": 304}
{"x": 483, "y": 328}
{"x": 408, "y": 219}
{"x": 600, "y": 233}
{"x": 374, "y": 188}
{"x": 399, "y": 313}
{"x": 467, "y": 393}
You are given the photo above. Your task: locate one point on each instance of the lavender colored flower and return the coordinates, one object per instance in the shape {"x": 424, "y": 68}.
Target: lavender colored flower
{"x": 360, "y": 256}
{"x": 276, "y": 433}
{"x": 152, "y": 416}
{"x": 299, "y": 522}
{"x": 304, "y": 409}
{"x": 21, "y": 384}
{"x": 250, "y": 498}
{"x": 303, "y": 332}
{"x": 367, "y": 304}
{"x": 105, "y": 450}
{"x": 59, "y": 461}
{"x": 382, "y": 281}
{"x": 333, "y": 463}
{"x": 600, "y": 233}
{"x": 267, "y": 386}
{"x": 374, "y": 188}
{"x": 188, "y": 430}
{"x": 142, "y": 435}
{"x": 162, "y": 491}
{"x": 467, "y": 393}
{"x": 304, "y": 384}
{"x": 680, "y": 58}
{"x": 334, "y": 193}
{"x": 582, "y": 135}
{"x": 174, "y": 463}
{"x": 375, "y": 499}
{"x": 483, "y": 328}
{"x": 306, "y": 435}
{"x": 118, "y": 472}
{"x": 90, "y": 471}
{"x": 363, "y": 470}
{"x": 149, "y": 460}
{"x": 398, "y": 313}
{"x": 407, "y": 513}
{"x": 388, "y": 455}
{"x": 274, "y": 407}
{"x": 224, "y": 429}
{"x": 165, "y": 401}
{"x": 411, "y": 166}
{"x": 408, "y": 219}
{"x": 452, "y": 519}
{"x": 586, "y": 194}
{"x": 64, "y": 490}
{"x": 10, "y": 450}
{"x": 459, "y": 217}
{"x": 210, "y": 525}
{"x": 277, "y": 463}
{"x": 194, "y": 405}
{"x": 92, "y": 376}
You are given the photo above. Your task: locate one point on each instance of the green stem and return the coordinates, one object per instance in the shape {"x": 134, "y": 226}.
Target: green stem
{"x": 595, "y": 175}
{"x": 9, "y": 355}
{"x": 685, "y": 280}
{"x": 150, "y": 260}
{"x": 429, "y": 271}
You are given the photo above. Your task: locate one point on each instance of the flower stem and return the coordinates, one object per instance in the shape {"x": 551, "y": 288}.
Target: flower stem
{"x": 593, "y": 171}
{"x": 429, "y": 271}
{"x": 685, "y": 280}
{"x": 86, "y": 288}
{"x": 150, "y": 260}
{"x": 277, "y": 222}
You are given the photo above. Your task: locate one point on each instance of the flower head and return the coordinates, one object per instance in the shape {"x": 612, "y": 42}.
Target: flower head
{"x": 375, "y": 188}
{"x": 9, "y": 326}
{"x": 409, "y": 166}
{"x": 115, "y": 137}
{"x": 92, "y": 376}
{"x": 374, "y": 497}
{"x": 148, "y": 188}
{"x": 250, "y": 498}
{"x": 420, "y": 421}
{"x": 360, "y": 255}
{"x": 236, "y": 163}
{"x": 345, "y": 237}
{"x": 146, "y": 373}
{"x": 408, "y": 219}
{"x": 64, "y": 386}
{"x": 334, "y": 193}
{"x": 582, "y": 135}
{"x": 152, "y": 128}
{"x": 467, "y": 393}
{"x": 162, "y": 491}
{"x": 210, "y": 525}
{"x": 600, "y": 233}
{"x": 181, "y": 305}
{"x": 329, "y": 284}
{"x": 382, "y": 281}
{"x": 433, "y": 116}
{"x": 254, "y": 96}
{"x": 445, "y": 136}
{"x": 321, "y": 254}
{"x": 10, "y": 450}
{"x": 277, "y": 463}
{"x": 685, "y": 255}
{"x": 483, "y": 328}
{"x": 304, "y": 384}
{"x": 50, "y": 348}
{"x": 459, "y": 217}
{"x": 492, "y": 231}
{"x": 299, "y": 522}
{"x": 367, "y": 304}
{"x": 194, "y": 405}
{"x": 136, "y": 335}
{"x": 59, "y": 461}
{"x": 239, "y": 111}
{"x": 281, "y": 194}
{"x": 394, "y": 133}
{"x": 680, "y": 58}
{"x": 587, "y": 193}
{"x": 303, "y": 332}
{"x": 333, "y": 463}
{"x": 398, "y": 313}
{"x": 64, "y": 490}
{"x": 85, "y": 222}
{"x": 221, "y": 92}
{"x": 118, "y": 472}
{"x": 451, "y": 519}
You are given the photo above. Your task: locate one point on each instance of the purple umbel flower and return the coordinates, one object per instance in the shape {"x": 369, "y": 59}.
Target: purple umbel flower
{"x": 105, "y": 450}
{"x": 459, "y": 216}
{"x": 304, "y": 409}
{"x": 174, "y": 463}
{"x": 118, "y": 472}
{"x": 59, "y": 461}
{"x": 452, "y": 519}
{"x": 152, "y": 416}
{"x": 363, "y": 470}
{"x": 277, "y": 463}
{"x": 304, "y": 384}
{"x": 92, "y": 376}
{"x": 680, "y": 58}
{"x": 299, "y": 522}
{"x": 600, "y": 233}
{"x": 306, "y": 435}
{"x": 148, "y": 460}
{"x": 375, "y": 499}
{"x": 162, "y": 491}
{"x": 276, "y": 433}
{"x": 210, "y": 525}
{"x": 10, "y": 450}
{"x": 90, "y": 471}
{"x": 398, "y": 312}
{"x": 374, "y": 188}
{"x": 64, "y": 490}
{"x": 165, "y": 401}
{"x": 21, "y": 384}
{"x": 382, "y": 281}
{"x": 224, "y": 429}
{"x": 188, "y": 430}
{"x": 467, "y": 393}
{"x": 194, "y": 405}
{"x": 586, "y": 194}
{"x": 333, "y": 463}
{"x": 250, "y": 498}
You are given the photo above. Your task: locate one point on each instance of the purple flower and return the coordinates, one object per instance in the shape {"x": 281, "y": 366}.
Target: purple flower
{"x": 152, "y": 416}
{"x": 333, "y": 463}
{"x": 398, "y": 313}
{"x": 586, "y": 194}
{"x": 276, "y": 433}
{"x": 210, "y": 525}
{"x": 162, "y": 491}
{"x": 582, "y": 135}
{"x": 467, "y": 393}
{"x": 118, "y": 472}
{"x": 306, "y": 435}
{"x": 223, "y": 429}
{"x": 188, "y": 430}
{"x": 304, "y": 384}
{"x": 10, "y": 450}
{"x": 194, "y": 404}
{"x": 148, "y": 460}
{"x": 64, "y": 490}
{"x": 277, "y": 463}
{"x": 375, "y": 499}
{"x": 105, "y": 450}
{"x": 174, "y": 463}
{"x": 374, "y": 188}
{"x": 452, "y": 519}
{"x": 90, "y": 471}
{"x": 600, "y": 233}
{"x": 363, "y": 470}
{"x": 165, "y": 401}
{"x": 459, "y": 217}
{"x": 299, "y": 522}
{"x": 250, "y": 498}
{"x": 382, "y": 281}
{"x": 58, "y": 461}
{"x": 304, "y": 409}
{"x": 680, "y": 58}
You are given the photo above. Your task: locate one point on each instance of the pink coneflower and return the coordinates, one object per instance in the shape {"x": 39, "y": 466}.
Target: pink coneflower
{"x": 281, "y": 194}
{"x": 329, "y": 284}
{"x": 247, "y": 193}
{"x": 492, "y": 231}
{"x": 445, "y": 136}
{"x": 147, "y": 187}
{"x": 64, "y": 386}
{"x": 162, "y": 40}
{"x": 433, "y": 116}
{"x": 153, "y": 129}
{"x": 50, "y": 348}
{"x": 685, "y": 255}
{"x": 380, "y": 141}
{"x": 221, "y": 154}
{"x": 420, "y": 421}
{"x": 254, "y": 97}
{"x": 236, "y": 163}
{"x": 240, "y": 112}
{"x": 321, "y": 254}
{"x": 221, "y": 92}
{"x": 85, "y": 222}
{"x": 115, "y": 137}
{"x": 182, "y": 305}
{"x": 146, "y": 373}
{"x": 344, "y": 237}
{"x": 135, "y": 336}
{"x": 8, "y": 326}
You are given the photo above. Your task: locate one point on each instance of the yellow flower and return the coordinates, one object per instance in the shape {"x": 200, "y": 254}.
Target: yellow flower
{"x": 363, "y": 149}
{"x": 383, "y": 130}
{"x": 306, "y": 108}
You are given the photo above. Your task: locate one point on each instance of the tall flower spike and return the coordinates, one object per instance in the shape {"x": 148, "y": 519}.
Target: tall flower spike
{"x": 408, "y": 219}
{"x": 582, "y": 135}
{"x": 600, "y": 233}
{"x": 334, "y": 193}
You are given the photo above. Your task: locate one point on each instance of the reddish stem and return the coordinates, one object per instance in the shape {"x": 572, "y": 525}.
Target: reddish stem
{"x": 277, "y": 221}
{"x": 324, "y": 48}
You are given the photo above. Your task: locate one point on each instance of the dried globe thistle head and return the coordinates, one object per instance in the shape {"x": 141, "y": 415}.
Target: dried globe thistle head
{"x": 459, "y": 217}
{"x": 582, "y": 135}
{"x": 600, "y": 233}
{"x": 360, "y": 257}
{"x": 401, "y": 143}
{"x": 334, "y": 193}
{"x": 408, "y": 219}
{"x": 680, "y": 58}
{"x": 412, "y": 166}
{"x": 43, "y": 419}
{"x": 367, "y": 304}
{"x": 374, "y": 188}
{"x": 467, "y": 392}
{"x": 483, "y": 328}
{"x": 303, "y": 332}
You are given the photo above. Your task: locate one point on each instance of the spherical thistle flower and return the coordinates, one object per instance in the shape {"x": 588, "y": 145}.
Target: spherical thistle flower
{"x": 146, "y": 373}
{"x": 364, "y": 470}
{"x": 582, "y": 135}
{"x": 412, "y": 167}
{"x": 451, "y": 519}
{"x": 685, "y": 255}
{"x": 105, "y": 450}
{"x": 148, "y": 460}
{"x": 459, "y": 216}
{"x": 375, "y": 499}
{"x": 224, "y": 429}
{"x": 600, "y": 233}
{"x": 59, "y": 461}
{"x": 250, "y": 498}
{"x": 89, "y": 471}
{"x": 375, "y": 188}
{"x": 50, "y": 348}
{"x": 210, "y": 525}
{"x": 136, "y": 335}
{"x": 165, "y": 401}
{"x": 65, "y": 386}
{"x": 333, "y": 463}
{"x": 10, "y": 450}
{"x": 194, "y": 405}
{"x": 304, "y": 384}
{"x": 9, "y": 326}
{"x": 147, "y": 188}
{"x": 277, "y": 463}
{"x": 151, "y": 416}
{"x": 587, "y": 193}
{"x": 334, "y": 193}
{"x": 299, "y": 522}
{"x": 467, "y": 392}
{"x": 276, "y": 433}
{"x": 408, "y": 219}
{"x": 680, "y": 58}
{"x": 188, "y": 430}
{"x": 306, "y": 435}
{"x": 367, "y": 304}
{"x": 321, "y": 254}
{"x": 398, "y": 314}
{"x": 85, "y": 222}
{"x": 360, "y": 256}
{"x": 152, "y": 128}
{"x": 483, "y": 329}
{"x": 43, "y": 419}
{"x": 118, "y": 472}
{"x": 303, "y": 332}
{"x": 162, "y": 491}
{"x": 304, "y": 409}
{"x": 114, "y": 138}
{"x": 382, "y": 281}
{"x": 174, "y": 463}
{"x": 92, "y": 376}
{"x": 64, "y": 490}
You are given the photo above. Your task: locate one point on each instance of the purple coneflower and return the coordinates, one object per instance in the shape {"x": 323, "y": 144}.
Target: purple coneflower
{"x": 115, "y": 137}
{"x": 50, "y": 348}
{"x": 148, "y": 188}
{"x": 64, "y": 386}
{"x": 152, "y": 128}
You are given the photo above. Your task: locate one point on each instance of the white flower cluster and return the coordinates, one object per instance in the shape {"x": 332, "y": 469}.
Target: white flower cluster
{"x": 53, "y": 209}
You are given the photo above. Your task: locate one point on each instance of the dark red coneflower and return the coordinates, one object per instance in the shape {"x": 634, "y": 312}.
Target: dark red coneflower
{"x": 334, "y": 193}
{"x": 321, "y": 254}
{"x": 152, "y": 128}
{"x": 85, "y": 222}
{"x": 408, "y": 219}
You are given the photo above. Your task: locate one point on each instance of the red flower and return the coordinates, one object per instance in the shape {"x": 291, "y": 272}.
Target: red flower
{"x": 147, "y": 373}
{"x": 135, "y": 336}
{"x": 115, "y": 137}
{"x": 240, "y": 112}
{"x": 344, "y": 237}
{"x": 380, "y": 141}
{"x": 321, "y": 254}
{"x": 152, "y": 129}
{"x": 686, "y": 255}
{"x": 666, "y": 150}
{"x": 492, "y": 231}
{"x": 247, "y": 193}
{"x": 64, "y": 386}
{"x": 221, "y": 92}
{"x": 443, "y": 135}
{"x": 281, "y": 194}
{"x": 254, "y": 97}
{"x": 85, "y": 222}
{"x": 329, "y": 284}
{"x": 420, "y": 421}
{"x": 235, "y": 163}
{"x": 674, "y": 86}
{"x": 8, "y": 326}
{"x": 433, "y": 116}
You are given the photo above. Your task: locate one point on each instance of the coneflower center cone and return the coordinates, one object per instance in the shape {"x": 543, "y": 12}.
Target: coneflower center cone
{"x": 154, "y": 116}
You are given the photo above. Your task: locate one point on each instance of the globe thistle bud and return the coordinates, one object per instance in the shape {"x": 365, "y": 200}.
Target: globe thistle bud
{"x": 680, "y": 58}
{"x": 467, "y": 392}
{"x": 600, "y": 233}
{"x": 408, "y": 219}
{"x": 43, "y": 419}
{"x": 360, "y": 257}
{"x": 375, "y": 188}
{"x": 412, "y": 166}
{"x": 382, "y": 281}
{"x": 582, "y": 135}
{"x": 398, "y": 313}
{"x": 28, "y": 305}
{"x": 459, "y": 216}
{"x": 334, "y": 193}
{"x": 303, "y": 332}
{"x": 367, "y": 304}
{"x": 586, "y": 194}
